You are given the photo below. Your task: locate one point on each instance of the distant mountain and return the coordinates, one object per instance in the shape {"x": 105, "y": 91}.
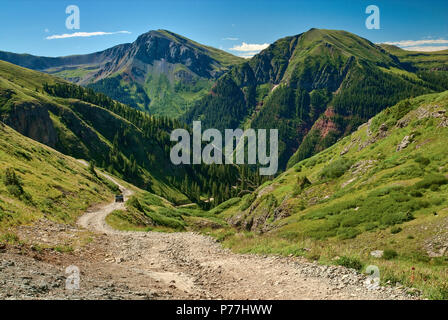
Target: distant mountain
{"x": 432, "y": 67}
{"x": 314, "y": 87}
{"x": 419, "y": 60}
{"x": 161, "y": 72}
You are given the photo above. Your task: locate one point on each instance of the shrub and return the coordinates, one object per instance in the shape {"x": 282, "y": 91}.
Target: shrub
{"x": 134, "y": 202}
{"x": 247, "y": 200}
{"x": 92, "y": 168}
{"x": 110, "y": 185}
{"x": 350, "y": 262}
{"x": 390, "y": 254}
{"x": 162, "y": 220}
{"x": 14, "y": 190}
{"x": 303, "y": 182}
{"x": 370, "y": 226}
{"x": 416, "y": 194}
{"x": 12, "y": 182}
{"x": 336, "y": 168}
{"x": 431, "y": 180}
{"x": 9, "y": 238}
{"x": 225, "y": 205}
{"x": 395, "y": 230}
{"x": 422, "y": 160}
{"x": 348, "y": 233}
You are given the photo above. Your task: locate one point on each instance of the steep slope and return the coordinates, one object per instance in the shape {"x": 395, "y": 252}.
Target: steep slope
{"x": 127, "y": 143}
{"x": 39, "y": 182}
{"x": 314, "y": 87}
{"x": 82, "y": 129}
{"x": 161, "y": 72}
{"x": 384, "y": 187}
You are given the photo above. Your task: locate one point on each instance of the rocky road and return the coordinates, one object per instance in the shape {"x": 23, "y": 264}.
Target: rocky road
{"x": 153, "y": 265}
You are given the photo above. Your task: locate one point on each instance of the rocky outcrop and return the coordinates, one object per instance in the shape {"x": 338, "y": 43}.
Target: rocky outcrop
{"x": 261, "y": 214}
{"x": 33, "y": 120}
{"x": 407, "y": 140}
{"x": 325, "y": 124}
{"x": 381, "y": 134}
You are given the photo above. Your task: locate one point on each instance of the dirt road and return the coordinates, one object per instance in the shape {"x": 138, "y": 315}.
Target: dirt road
{"x": 192, "y": 266}
{"x": 96, "y": 220}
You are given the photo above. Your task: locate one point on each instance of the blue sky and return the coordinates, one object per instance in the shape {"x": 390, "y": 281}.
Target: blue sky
{"x": 226, "y": 24}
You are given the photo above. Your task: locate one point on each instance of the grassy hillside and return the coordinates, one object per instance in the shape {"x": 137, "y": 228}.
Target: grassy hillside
{"x": 224, "y": 58}
{"x": 384, "y": 187}
{"x": 148, "y": 212}
{"x": 421, "y": 60}
{"x": 83, "y": 130}
{"x": 126, "y": 142}
{"x": 167, "y": 87}
{"x": 37, "y": 182}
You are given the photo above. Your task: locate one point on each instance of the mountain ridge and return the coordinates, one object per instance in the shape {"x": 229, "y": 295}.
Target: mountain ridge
{"x": 160, "y": 72}
{"x": 300, "y": 79}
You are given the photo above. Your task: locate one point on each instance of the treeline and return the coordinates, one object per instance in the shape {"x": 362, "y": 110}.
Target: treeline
{"x": 113, "y": 88}
{"x": 224, "y": 108}
{"x": 368, "y": 90}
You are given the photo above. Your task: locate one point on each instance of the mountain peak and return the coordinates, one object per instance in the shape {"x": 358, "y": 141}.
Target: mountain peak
{"x": 168, "y": 35}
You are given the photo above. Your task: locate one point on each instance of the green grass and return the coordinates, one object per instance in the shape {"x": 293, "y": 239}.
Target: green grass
{"x": 81, "y": 129}
{"x": 45, "y": 183}
{"x": 148, "y": 212}
{"x": 372, "y": 198}
{"x": 349, "y": 262}
{"x": 421, "y": 60}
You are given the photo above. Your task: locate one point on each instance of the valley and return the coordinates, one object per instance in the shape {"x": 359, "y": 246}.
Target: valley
{"x": 154, "y": 265}
{"x": 362, "y": 177}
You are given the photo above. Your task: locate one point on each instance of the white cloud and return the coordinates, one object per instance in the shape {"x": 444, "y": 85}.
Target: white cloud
{"x": 427, "y": 48}
{"x": 409, "y": 43}
{"x": 84, "y": 34}
{"x": 247, "y": 47}
{"x": 247, "y": 55}
{"x": 230, "y": 39}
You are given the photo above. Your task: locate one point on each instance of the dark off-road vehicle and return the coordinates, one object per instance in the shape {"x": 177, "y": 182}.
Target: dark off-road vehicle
{"x": 119, "y": 198}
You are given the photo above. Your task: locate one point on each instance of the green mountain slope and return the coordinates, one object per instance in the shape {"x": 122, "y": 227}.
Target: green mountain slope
{"x": 161, "y": 72}
{"x": 431, "y": 60}
{"x": 431, "y": 67}
{"x": 127, "y": 143}
{"x": 37, "y": 182}
{"x": 314, "y": 87}
{"x": 384, "y": 187}
{"x": 82, "y": 130}
{"x": 46, "y": 184}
